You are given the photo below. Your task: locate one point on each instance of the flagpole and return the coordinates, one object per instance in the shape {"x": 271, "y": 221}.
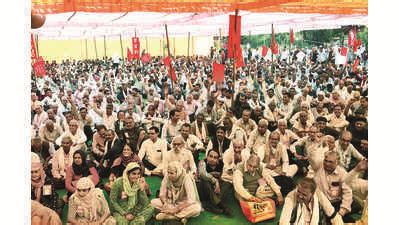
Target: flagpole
{"x": 234, "y": 49}
{"x": 234, "y": 56}
{"x": 120, "y": 41}
{"x": 272, "y": 50}
{"x": 167, "y": 44}
{"x": 37, "y": 45}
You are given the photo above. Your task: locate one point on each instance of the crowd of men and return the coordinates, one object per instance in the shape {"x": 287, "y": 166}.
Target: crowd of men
{"x": 301, "y": 116}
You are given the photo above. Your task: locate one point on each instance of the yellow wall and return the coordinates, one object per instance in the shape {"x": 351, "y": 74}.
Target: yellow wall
{"x": 76, "y": 49}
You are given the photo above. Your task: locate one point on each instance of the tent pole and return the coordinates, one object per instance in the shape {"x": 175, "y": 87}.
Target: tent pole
{"x": 167, "y": 44}
{"x": 95, "y": 47}
{"x": 86, "y": 48}
{"x": 146, "y": 44}
{"x": 105, "y": 47}
{"x": 188, "y": 45}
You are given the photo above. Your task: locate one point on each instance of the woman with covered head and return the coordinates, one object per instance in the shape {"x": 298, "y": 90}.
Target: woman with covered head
{"x": 121, "y": 163}
{"x": 129, "y": 199}
{"x": 80, "y": 168}
{"x": 88, "y": 205}
{"x": 42, "y": 187}
{"x": 178, "y": 197}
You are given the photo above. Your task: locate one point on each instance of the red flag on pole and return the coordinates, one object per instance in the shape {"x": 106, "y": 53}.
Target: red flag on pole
{"x": 39, "y": 68}
{"x": 167, "y": 61}
{"x": 129, "y": 55}
{"x": 33, "y": 47}
{"x": 136, "y": 47}
{"x": 273, "y": 43}
{"x": 344, "y": 51}
{"x": 292, "y": 38}
{"x": 218, "y": 72}
{"x": 146, "y": 58}
{"x": 172, "y": 74}
{"x": 264, "y": 50}
{"x": 234, "y": 35}
{"x": 240, "y": 58}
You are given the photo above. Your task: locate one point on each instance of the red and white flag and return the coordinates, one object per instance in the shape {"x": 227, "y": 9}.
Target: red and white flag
{"x": 136, "y": 47}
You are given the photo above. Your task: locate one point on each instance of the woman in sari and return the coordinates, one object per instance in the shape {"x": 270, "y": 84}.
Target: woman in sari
{"x": 80, "y": 168}
{"x": 178, "y": 197}
{"x": 128, "y": 198}
{"x": 120, "y": 164}
{"x": 88, "y": 205}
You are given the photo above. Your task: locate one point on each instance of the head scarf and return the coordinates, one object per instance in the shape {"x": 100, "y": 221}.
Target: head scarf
{"x": 131, "y": 190}
{"x": 37, "y": 184}
{"x": 180, "y": 173}
{"x": 82, "y": 169}
{"x": 87, "y": 203}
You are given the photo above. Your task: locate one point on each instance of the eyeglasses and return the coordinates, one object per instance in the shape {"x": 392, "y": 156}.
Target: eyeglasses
{"x": 345, "y": 140}
{"x": 176, "y": 144}
{"x": 83, "y": 190}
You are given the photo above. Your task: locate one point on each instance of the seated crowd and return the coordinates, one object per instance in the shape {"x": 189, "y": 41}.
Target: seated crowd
{"x": 296, "y": 134}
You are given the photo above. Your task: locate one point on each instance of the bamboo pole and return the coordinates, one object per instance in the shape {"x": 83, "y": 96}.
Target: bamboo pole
{"x": 86, "y": 49}
{"x": 120, "y": 41}
{"x": 234, "y": 56}
{"x": 105, "y": 47}
{"x": 146, "y": 44}
{"x": 188, "y": 45}
{"x": 37, "y": 45}
{"x": 95, "y": 47}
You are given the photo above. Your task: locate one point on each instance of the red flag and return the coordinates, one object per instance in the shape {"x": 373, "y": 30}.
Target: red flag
{"x": 136, "y": 47}
{"x": 359, "y": 42}
{"x": 146, "y": 58}
{"x": 218, "y": 72}
{"x": 240, "y": 58}
{"x": 292, "y": 38}
{"x": 354, "y": 67}
{"x": 39, "y": 68}
{"x": 273, "y": 43}
{"x": 264, "y": 50}
{"x": 33, "y": 47}
{"x": 344, "y": 51}
{"x": 172, "y": 74}
{"x": 167, "y": 61}
{"x": 234, "y": 35}
{"x": 129, "y": 55}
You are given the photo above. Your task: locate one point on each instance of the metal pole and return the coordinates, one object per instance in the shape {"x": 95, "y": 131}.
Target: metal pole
{"x": 86, "y": 48}
{"x": 188, "y": 45}
{"x": 105, "y": 47}
{"x": 95, "y": 47}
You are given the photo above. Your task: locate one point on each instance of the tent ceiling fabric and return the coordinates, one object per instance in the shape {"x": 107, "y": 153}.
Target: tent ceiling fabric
{"x": 151, "y": 24}
{"x": 208, "y": 6}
